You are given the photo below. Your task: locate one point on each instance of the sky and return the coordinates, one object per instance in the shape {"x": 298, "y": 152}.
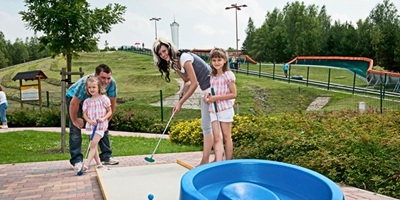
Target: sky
{"x": 203, "y": 24}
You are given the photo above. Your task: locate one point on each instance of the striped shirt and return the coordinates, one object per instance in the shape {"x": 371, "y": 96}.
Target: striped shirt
{"x": 96, "y": 109}
{"x": 221, "y": 87}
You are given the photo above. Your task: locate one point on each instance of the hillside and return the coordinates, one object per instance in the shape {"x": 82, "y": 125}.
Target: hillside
{"x": 139, "y": 85}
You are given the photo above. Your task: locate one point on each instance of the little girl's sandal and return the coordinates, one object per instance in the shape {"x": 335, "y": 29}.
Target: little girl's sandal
{"x": 85, "y": 168}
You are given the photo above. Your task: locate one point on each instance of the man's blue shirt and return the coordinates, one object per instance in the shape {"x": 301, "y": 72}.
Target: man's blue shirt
{"x": 78, "y": 89}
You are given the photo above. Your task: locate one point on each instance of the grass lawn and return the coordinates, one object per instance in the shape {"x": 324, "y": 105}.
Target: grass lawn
{"x": 35, "y": 146}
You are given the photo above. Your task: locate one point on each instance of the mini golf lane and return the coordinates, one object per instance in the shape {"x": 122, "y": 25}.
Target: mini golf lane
{"x": 137, "y": 182}
{"x": 235, "y": 179}
{"x": 257, "y": 179}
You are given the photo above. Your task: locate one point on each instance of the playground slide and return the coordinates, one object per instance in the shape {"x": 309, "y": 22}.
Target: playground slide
{"x": 365, "y": 70}
{"x": 249, "y": 59}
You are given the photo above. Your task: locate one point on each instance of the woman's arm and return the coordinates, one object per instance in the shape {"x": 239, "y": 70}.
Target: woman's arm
{"x": 185, "y": 79}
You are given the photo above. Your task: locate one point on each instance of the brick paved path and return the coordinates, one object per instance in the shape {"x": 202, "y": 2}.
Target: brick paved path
{"x": 57, "y": 180}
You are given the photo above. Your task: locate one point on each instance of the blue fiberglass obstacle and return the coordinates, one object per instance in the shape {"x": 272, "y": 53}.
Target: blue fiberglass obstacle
{"x": 256, "y": 179}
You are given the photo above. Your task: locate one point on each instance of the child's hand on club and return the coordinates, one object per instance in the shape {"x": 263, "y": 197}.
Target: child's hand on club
{"x": 210, "y": 99}
{"x": 92, "y": 122}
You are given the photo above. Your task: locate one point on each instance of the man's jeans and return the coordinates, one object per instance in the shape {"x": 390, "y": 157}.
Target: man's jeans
{"x": 75, "y": 140}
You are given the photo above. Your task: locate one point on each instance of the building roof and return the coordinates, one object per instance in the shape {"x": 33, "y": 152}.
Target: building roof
{"x": 30, "y": 75}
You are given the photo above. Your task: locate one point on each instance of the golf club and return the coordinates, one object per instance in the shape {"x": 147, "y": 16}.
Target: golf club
{"x": 150, "y": 159}
{"x": 216, "y": 114}
{"x": 216, "y": 110}
{"x": 80, "y": 172}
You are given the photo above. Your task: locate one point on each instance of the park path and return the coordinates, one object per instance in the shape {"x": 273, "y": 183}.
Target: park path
{"x": 57, "y": 180}
{"x": 192, "y": 103}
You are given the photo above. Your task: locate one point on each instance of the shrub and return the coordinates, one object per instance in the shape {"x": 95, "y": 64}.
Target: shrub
{"x": 357, "y": 149}
{"x": 187, "y": 132}
{"x": 135, "y": 122}
{"x": 26, "y": 117}
{"x": 34, "y": 117}
{"x": 50, "y": 118}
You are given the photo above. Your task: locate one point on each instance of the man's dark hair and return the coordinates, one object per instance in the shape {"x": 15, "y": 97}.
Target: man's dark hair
{"x": 103, "y": 68}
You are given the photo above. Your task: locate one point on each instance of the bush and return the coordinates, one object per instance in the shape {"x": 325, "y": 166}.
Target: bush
{"x": 34, "y": 117}
{"x": 50, "y": 118}
{"x": 187, "y": 132}
{"x": 135, "y": 122}
{"x": 357, "y": 149}
{"x": 26, "y": 117}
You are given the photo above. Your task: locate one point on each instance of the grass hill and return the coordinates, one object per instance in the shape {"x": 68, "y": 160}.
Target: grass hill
{"x": 139, "y": 84}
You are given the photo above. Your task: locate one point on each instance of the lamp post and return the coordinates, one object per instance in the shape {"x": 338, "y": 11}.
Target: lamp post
{"x": 236, "y": 7}
{"x": 155, "y": 19}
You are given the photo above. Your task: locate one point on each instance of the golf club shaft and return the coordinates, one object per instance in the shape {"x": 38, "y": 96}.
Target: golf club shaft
{"x": 80, "y": 172}
{"x": 155, "y": 149}
{"x": 216, "y": 111}
{"x": 91, "y": 138}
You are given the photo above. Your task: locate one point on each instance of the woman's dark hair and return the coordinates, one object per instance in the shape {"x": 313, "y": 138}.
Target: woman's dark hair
{"x": 163, "y": 66}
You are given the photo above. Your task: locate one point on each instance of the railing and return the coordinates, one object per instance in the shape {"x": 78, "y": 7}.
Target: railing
{"x": 296, "y": 100}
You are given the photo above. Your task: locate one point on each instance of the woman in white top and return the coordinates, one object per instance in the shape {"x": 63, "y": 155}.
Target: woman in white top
{"x": 3, "y": 108}
{"x": 195, "y": 72}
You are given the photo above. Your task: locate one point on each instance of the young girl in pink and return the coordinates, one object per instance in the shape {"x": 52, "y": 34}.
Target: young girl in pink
{"x": 222, "y": 81}
{"x": 96, "y": 110}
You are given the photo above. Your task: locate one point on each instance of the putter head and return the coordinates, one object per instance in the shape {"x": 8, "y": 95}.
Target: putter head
{"x": 149, "y": 159}
{"x": 80, "y": 172}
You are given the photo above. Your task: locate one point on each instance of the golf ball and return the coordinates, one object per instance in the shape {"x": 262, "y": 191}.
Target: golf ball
{"x": 150, "y": 196}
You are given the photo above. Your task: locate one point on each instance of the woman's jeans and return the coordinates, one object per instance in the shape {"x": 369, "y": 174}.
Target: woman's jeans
{"x": 75, "y": 140}
{"x": 3, "y": 109}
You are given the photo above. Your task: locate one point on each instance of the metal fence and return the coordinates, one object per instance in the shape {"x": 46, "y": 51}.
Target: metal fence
{"x": 272, "y": 101}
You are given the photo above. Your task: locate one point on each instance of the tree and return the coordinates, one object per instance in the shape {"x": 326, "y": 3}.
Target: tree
{"x": 250, "y": 31}
{"x": 305, "y": 27}
{"x": 363, "y": 40}
{"x": 275, "y": 37}
{"x": 341, "y": 40}
{"x": 385, "y": 34}
{"x": 3, "y": 51}
{"x": 20, "y": 52}
{"x": 36, "y": 49}
{"x": 70, "y": 26}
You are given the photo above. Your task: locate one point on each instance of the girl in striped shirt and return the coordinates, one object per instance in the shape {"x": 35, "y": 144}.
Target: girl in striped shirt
{"x": 222, "y": 81}
{"x": 96, "y": 111}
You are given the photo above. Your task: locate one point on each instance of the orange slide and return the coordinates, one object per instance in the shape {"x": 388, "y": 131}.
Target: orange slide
{"x": 249, "y": 59}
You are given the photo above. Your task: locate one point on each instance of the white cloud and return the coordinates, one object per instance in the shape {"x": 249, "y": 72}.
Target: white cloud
{"x": 204, "y": 30}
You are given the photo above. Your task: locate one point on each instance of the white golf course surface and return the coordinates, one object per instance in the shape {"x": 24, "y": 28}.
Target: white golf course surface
{"x": 137, "y": 182}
